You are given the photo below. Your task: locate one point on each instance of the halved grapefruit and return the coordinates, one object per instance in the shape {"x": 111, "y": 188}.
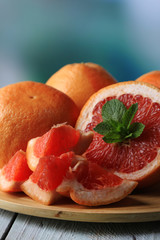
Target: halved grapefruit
{"x": 139, "y": 159}
{"x": 91, "y": 185}
{"x": 14, "y": 173}
{"x": 59, "y": 139}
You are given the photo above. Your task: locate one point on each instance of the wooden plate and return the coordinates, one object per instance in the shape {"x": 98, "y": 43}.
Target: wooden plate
{"x": 138, "y": 207}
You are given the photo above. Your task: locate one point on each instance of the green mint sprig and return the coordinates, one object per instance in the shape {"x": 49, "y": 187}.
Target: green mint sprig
{"x": 116, "y": 126}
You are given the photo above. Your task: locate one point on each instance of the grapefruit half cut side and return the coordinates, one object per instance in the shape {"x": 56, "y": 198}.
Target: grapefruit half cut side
{"x": 139, "y": 159}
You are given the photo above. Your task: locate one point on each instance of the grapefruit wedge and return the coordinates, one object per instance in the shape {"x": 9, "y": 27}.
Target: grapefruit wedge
{"x": 92, "y": 185}
{"x": 139, "y": 158}
{"x": 50, "y": 171}
{"x": 59, "y": 139}
{"x": 73, "y": 176}
{"x": 14, "y": 173}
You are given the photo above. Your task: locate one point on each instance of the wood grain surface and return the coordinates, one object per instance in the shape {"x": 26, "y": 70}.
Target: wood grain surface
{"x": 138, "y": 207}
{"x": 27, "y": 227}
{"x": 6, "y": 220}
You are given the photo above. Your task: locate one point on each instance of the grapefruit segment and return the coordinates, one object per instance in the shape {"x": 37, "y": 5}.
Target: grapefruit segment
{"x": 49, "y": 173}
{"x": 14, "y": 173}
{"x": 139, "y": 158}
{"x": 93, "y": 186}
{"x": 59, "y": 139}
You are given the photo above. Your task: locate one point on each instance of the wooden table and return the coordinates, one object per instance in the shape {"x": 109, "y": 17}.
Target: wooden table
{"x": 17, "y": 226}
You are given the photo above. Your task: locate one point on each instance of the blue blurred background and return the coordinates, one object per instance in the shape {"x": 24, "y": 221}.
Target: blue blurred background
{"x": 39, "y": 37}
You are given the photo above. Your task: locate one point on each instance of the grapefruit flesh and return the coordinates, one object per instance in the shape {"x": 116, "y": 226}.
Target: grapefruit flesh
{"x": 14, "y": 173}
{"x": 93, "y": 186}
{"x": 51, "y": 170}
{"x": 58, "y": 140}
{"x": 91, "y": 176}
{"x": 135, "y": 159}
{"x": 49, "y": 173}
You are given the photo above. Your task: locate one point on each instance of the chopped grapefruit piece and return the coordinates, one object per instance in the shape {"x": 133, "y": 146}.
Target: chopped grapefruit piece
{"x": 58, "y": 140}
{"x": 49, "y": 174}
{"x": 91, "y": 185}
{"x": 14, "y": 173}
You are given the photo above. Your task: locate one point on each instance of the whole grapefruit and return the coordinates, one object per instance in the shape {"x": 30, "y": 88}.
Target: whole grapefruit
{"x": 151, "y": 77}
{"x": 27, "y": 110}
{"x": 80, "y": 80}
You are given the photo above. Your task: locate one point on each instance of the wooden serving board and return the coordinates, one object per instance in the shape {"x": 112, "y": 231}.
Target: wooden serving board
{"x": 138, "y": 207}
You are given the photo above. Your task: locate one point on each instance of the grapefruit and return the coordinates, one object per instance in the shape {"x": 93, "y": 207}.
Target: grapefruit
{"x": 50, "y": 171}
{"x": 71, "y": 175}
{"x": 80, "y": 80}
{"x": 27, "y": 110}
{"x": 14, "y": 173}
{"x": 59, "y": 139}
{"x": 139, "y": 158}
{"x": 151, "y": 77}
{"x": 92, "y": 185}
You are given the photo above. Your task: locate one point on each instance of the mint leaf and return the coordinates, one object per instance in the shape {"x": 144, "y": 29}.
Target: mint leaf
{"x": 136, "y": 129}
{"x": 113, "y": 110}
{"x": 112, "y": 139}
{"x": 103, "y": 127}
{"x": 129, "y": 115}
{"x": 116, "y": 126}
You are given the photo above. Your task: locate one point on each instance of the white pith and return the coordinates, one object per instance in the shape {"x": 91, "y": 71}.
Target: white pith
{"x": 8, "y": 186}
{"x": 32, "y": 160}
{"x": 91, "y": 197}
{"x": 35, "y": 192}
